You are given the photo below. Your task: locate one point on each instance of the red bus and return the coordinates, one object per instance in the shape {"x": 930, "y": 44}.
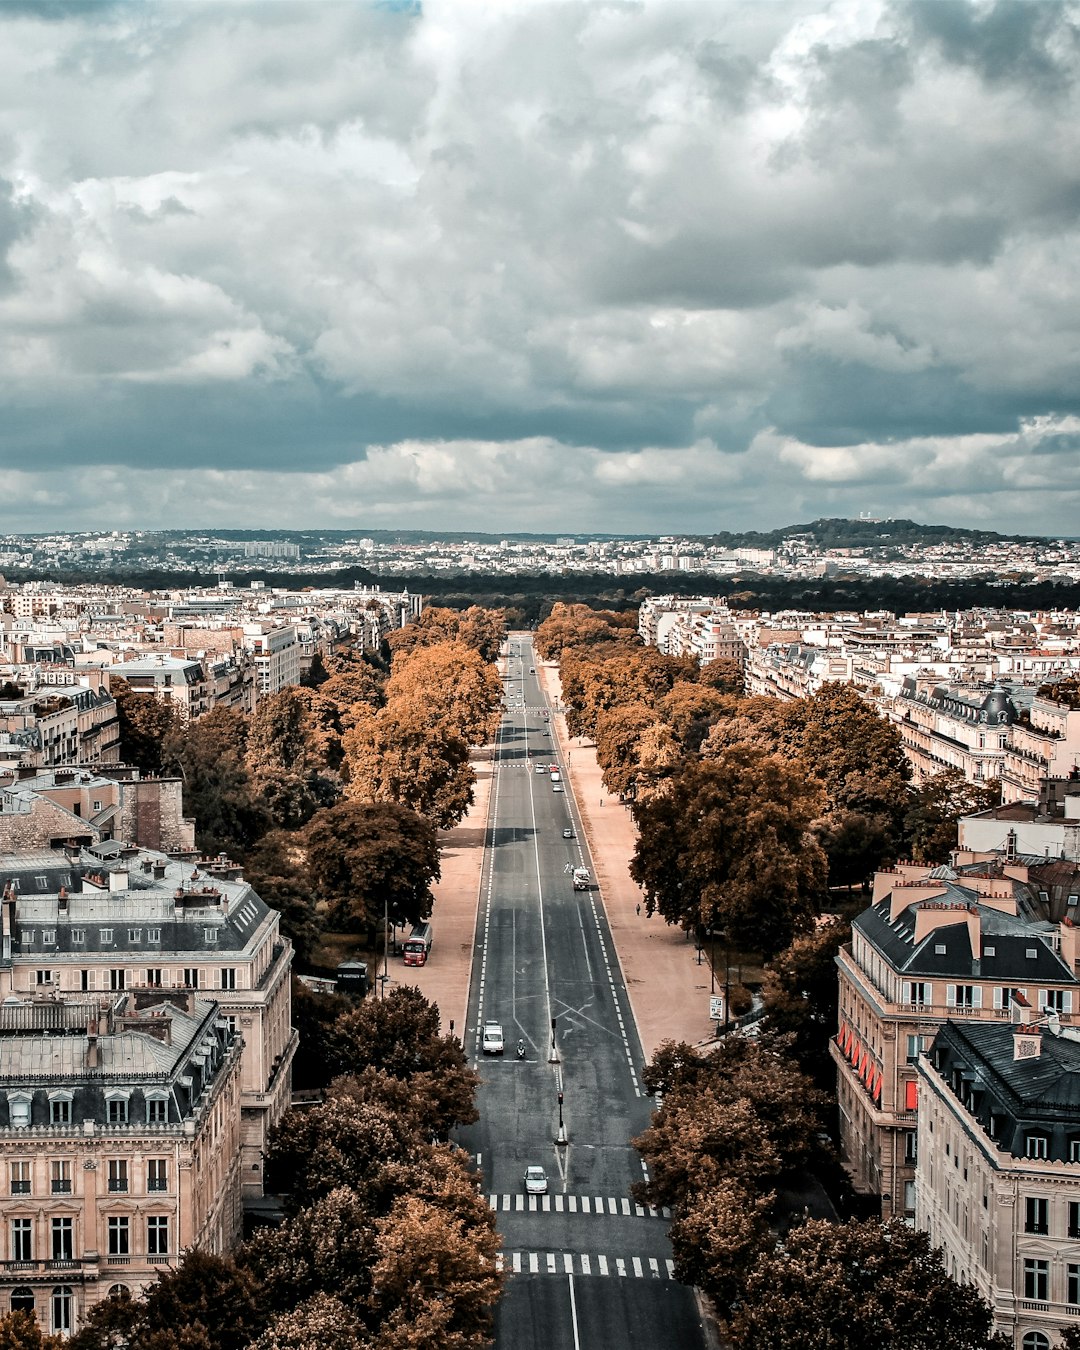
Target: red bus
{"x": 417, "y": 945}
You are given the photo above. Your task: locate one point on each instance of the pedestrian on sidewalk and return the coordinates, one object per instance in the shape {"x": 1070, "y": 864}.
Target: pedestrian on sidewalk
{"x": 639, "y": 910}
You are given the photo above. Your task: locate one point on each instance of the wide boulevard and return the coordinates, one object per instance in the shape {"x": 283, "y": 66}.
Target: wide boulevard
{"x": 586, "y": 1267}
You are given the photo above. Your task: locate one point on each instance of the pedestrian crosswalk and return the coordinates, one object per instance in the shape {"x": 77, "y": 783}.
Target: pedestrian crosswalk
{"x": 585, "y": 1263}
{"x": 575, "y": 1204}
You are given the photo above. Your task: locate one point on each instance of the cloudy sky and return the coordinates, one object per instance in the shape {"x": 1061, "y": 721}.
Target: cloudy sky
{"x": 628, "y": 267}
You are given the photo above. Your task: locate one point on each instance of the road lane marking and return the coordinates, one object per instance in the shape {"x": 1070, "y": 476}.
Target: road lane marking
{"x": 573, "y": 1302}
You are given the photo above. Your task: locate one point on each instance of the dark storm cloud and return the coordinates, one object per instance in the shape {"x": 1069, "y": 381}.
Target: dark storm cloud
{"x": 553, "y": 263}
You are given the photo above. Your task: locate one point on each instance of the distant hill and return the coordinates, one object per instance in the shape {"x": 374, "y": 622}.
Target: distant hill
{"x": 843, "y": 533}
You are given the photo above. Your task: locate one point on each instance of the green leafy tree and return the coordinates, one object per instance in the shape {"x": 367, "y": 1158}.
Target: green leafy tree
{"x": 146, "y": 724}
{"x": 276, "y": 868}
{"x": 935, "y": 808}
{"x": 209, "y": 757}
{"x": 320, "y": 1321}
{"x": 313, "y": 1016}
{"x": 569, "y": 626}
{"x": 801, "y": 996}
{"x": 724, "y": 675}
{"x": 717, "y": 1236}
{"x": 365, "y": 858}
{"x": 291, "y": 744}
{"x": 454, "y": 686}
{"x": 22, "y": 1331}
{"x": 859, "y": 1286}
{"x": 726, "y": 844}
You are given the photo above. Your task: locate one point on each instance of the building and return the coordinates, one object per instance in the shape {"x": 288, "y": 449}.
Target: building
{"x": 119, "y": 1145}
{"x": 935, "y": 944}
{"x": 946, "y": 728}
{"x": 108, "y": 918}
{"x": 277, "y": 654}
{"x": 68, "y": 723}
{"x": 1045, "y": 744}
{"x": 998, "y": 1177}
{"x": 55, "y": 807}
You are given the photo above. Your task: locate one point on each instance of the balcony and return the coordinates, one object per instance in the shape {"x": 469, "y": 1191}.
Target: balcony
{"x": 118, "y": 1260}
{"x": 61, "y": 1187}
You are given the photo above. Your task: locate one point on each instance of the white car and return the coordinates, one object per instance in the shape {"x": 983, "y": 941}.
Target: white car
{"x": 556, "y": 787}
{"x": 492, "y": 1041}
{"x": 539, "y": 769}
{"x": 536, "y": 1182}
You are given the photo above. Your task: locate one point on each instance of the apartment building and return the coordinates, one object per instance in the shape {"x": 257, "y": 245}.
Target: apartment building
{"x": 277, "y": 653}
{"x": 1045, "y": 744}
{"x": 54, "y": 807}
{"x": 949, "y": 942}
{"x": 66, "y": 723}
{"x": 108, "y": 918}
{"x": 943, "y": 727}
{"x": 119, "y": 1145}
{"x": 998, "y": 1176}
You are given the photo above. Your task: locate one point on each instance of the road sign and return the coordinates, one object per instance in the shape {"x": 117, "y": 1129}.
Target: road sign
{"x": 716, "y": 1007}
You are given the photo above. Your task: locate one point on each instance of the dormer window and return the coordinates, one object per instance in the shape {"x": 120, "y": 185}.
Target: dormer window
{"x": 940, "y": 948}
{"x": 19, "y": 1104}
{"x": 1036, "y": 1146}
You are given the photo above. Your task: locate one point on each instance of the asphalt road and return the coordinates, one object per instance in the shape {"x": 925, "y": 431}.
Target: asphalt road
{"x": 587, "y": 1268}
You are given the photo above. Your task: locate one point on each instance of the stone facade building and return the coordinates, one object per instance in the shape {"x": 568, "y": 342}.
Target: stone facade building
{"x": 119, "y": 1145}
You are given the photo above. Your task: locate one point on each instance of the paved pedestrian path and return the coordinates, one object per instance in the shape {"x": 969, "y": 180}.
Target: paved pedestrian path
{"x": 519, "y": 1203}
{"x": 584, "y": 1263}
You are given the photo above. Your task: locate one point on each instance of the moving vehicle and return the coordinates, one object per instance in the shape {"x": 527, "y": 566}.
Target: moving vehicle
{"x": 556, "y": 776}
{"x": 535, "y": 1181}
{"x": 568, "y": 833}
{"x": 521, "y": 1049}
{"x": 582, "y": 879}
{"x": 540, "y": 768}
{"x": 492, "y": 1040}
{"x": 418, "y": 945}
{"x": 556, "y": 787}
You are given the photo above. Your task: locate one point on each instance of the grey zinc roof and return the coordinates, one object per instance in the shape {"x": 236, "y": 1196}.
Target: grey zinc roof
{"x": 1050, "y": 1081}
{"x": 1006, "y": 942}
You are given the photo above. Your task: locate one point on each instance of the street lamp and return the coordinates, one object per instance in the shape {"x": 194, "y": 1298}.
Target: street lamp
{"x": 561, "y": 1138}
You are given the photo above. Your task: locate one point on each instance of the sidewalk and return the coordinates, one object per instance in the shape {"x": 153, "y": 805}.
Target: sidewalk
{"x": 668, "y": 990}
{"x": 445, "y": 978}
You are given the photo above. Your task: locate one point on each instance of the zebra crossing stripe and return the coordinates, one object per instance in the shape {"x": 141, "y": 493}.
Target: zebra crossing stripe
{"x": 586, "y": 1265}
{"x": 517, "y": 1263}
{"x": 575, "y": 1204}
{"x": 601, "y": 1261}
{"x": 559, "y": 1204}
{"x": 534, "y": 1263}
{"x": 626, "y": 1206}
{"x": 551, "y": 1263}
{"x": 637, "y": 1266}
{"x": 568, "y": 1263}
{"x": 620, "y": 1266}
{"x": 670, "y": 1268}
{"x": 654, "y": 1267}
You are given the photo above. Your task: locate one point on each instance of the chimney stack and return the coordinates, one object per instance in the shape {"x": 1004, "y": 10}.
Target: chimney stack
{"x": 1027, "y": 1042}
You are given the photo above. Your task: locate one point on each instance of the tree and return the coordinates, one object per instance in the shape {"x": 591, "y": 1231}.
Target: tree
{"x": 400, "y": 1035}
{"x": 365, "y": 858}
{"x": 210, "y": 1291}
{"x": 22, "y": 1331}
{"x": 483, "y": 630}
{"x": 717, "y": 1237}
{"x": 935, "y": 808}
{"x": 319, "y": 1321}
{"x": 726, "y": 844}
{"x": 434, "y": 1281}
{"x": 570, "y": 626}
{"x": 401, "y": 755}
{"x": 313, "y": 1016}
{"x": 860, "y": 1286}
{"x": 146, "y": 723}
{"x": 293, "y": 748}
{"x": 209, "y": 756}
{"x": 801, "y": 995}
{"x": 276, "y": 868}
{"x": 690, "y": 710}
{"x": 618, "y": 733}
{"x": 724, "y": 675}
{"x": 453, "y": 685}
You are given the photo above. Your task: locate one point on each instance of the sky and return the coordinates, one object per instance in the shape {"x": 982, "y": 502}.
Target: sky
{"x": 643, "y": 268}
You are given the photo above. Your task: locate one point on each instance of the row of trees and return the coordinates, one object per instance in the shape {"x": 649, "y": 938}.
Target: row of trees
{"x": 331, "y": 793}
{"x": 748, "y": 809}
{"x": 736, "y": 1127}
{"x": 386, "y": 1245}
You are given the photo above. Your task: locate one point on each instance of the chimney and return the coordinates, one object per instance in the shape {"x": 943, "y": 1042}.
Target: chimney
{"x": 1027, "y": 1042}
{"x": 1010, "y": 846}
{"x": 118, "y": 880}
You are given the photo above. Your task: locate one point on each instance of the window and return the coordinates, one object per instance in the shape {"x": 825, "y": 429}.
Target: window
{"x": 26, "y": 937}
{"x": 191, "y": 978}
{"x": 135, "y": 935}
{"x": 118, "y": 1174}
{"x": 153, "y": 935}
{"x": 95, "y": 805}
{"x": 157, "y": 1235}
{"x": 1074, "y": 1218}
{"x": 118, "y": 1291}
{"x": 78, "y": 936}
{"x": 19, "y": 1109}
{"x": 157, "y": 1110}
{"x": 210, "y": 935}
{"x": 1005, "y": 998}
{"x": 60, "y": 1176}
{"x": 60, "y": 1302}
{"x": 1036, "y": 1214}
{"x": 105, "y": 937}
{"x": 49, "y": 935}
{"x": 119, "y": 1236}
{"x": 1055, "y": 1000}
{"x": 63, "y": 1245}
{"x": 911, "y": 1096}
{"x": 44, "y": 977}
{"x": 963, "y": 996}
{"x": 1072, "y": 1284}
{"x": 915, "y": 1047}
{"x": 59, "y": 1108}
{"x": 909, "y": 1197}
{"x": 228, "y": 977}
{"x": 1036, "y": 1280}
{"x": 1035, "y": 1340}
{"x": 117, "y": 979}
{"x": 940, "y": 949}
{"x": 118, "y": 1110}
{"x": 1036, "y": 1146}
{"x": 87, "y": 981}
{"x": 1074, "y": 1150}
{"x": 157, "y": 1174}
{"x": 22, "y": 1239}
{"x": 20, "y": 1178}
{"x": 911, "y": 1147}
{"x": 153, "y": 976}
{"x": 22, "y": 1300}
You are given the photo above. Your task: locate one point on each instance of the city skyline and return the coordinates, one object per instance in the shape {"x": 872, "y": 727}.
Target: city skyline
{"x": 546, "y": 268}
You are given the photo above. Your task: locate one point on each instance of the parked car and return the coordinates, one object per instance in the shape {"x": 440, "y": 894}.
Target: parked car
{"x": 536, "y": 1182}
{"x": 493, "y": 1038}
